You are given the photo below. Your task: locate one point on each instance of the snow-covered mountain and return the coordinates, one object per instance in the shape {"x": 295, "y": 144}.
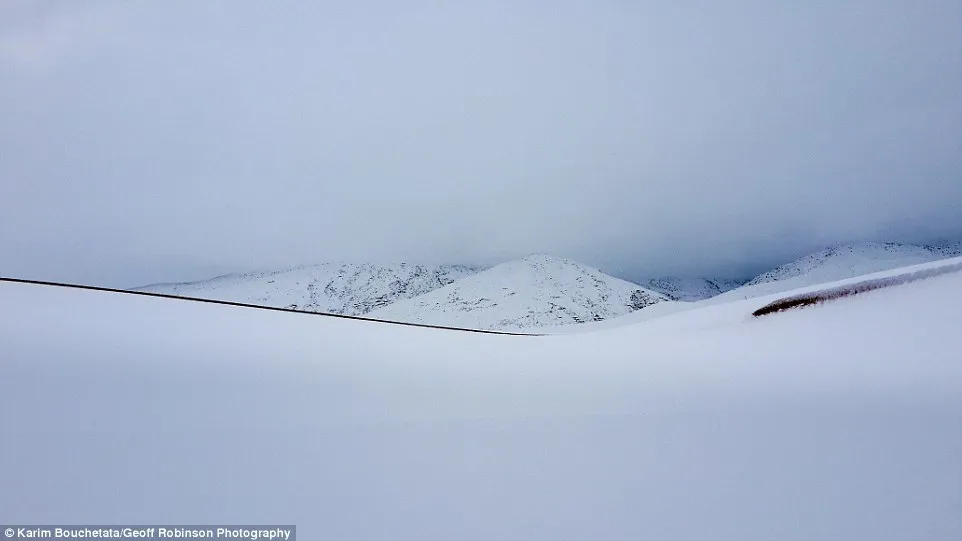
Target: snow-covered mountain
{"x": 839, "y": 263}
{"x": 534, "y": 291}
{"x": 339, "y": 288}
{"x": 680, "y": 288}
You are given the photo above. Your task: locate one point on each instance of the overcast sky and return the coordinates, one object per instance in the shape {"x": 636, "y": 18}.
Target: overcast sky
{"x": 154, "y": 141}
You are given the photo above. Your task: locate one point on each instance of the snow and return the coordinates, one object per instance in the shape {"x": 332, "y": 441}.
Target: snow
{"x": 679, "y": 288}
{"x": 535, "y": 291}
{"x": 839, "y": 421}
{"x": 865, "y": 285}
{"x": 837, "y": 263}
{"x": 338, "y": 288}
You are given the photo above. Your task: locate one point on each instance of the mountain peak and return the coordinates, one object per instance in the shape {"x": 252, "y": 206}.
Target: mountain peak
{"x": 534, "y": 291}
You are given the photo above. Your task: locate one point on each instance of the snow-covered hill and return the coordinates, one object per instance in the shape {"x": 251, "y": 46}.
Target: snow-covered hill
{"x": 339, "y": 288}
{"x": 534, "y": 291}
{"x": 838, "y": 263}
{"x": 690, "y": 289}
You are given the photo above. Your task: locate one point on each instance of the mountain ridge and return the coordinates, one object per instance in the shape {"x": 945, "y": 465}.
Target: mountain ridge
{"x": 338, "y": 288}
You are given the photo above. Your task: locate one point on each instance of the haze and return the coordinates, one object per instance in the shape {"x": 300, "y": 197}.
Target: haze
{"x": 144, "y": 142}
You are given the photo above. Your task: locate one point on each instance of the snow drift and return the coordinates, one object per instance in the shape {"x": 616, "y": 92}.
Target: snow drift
{"x": 810, "y": 298}
{"x": 837, "y": 263}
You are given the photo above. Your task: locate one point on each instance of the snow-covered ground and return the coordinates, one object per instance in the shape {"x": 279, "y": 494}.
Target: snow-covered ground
{"x": 338, "y": 288}
{"x": 839, "y": 421}
{"x": 679, "y": 288}
{"x": 534, "y": 291}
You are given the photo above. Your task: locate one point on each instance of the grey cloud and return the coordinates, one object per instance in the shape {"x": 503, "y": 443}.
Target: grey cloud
{"x": 172, "y": 140}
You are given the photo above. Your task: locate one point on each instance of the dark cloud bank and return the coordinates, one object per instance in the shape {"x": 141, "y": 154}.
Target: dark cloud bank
{"x": 176, "y": 140}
